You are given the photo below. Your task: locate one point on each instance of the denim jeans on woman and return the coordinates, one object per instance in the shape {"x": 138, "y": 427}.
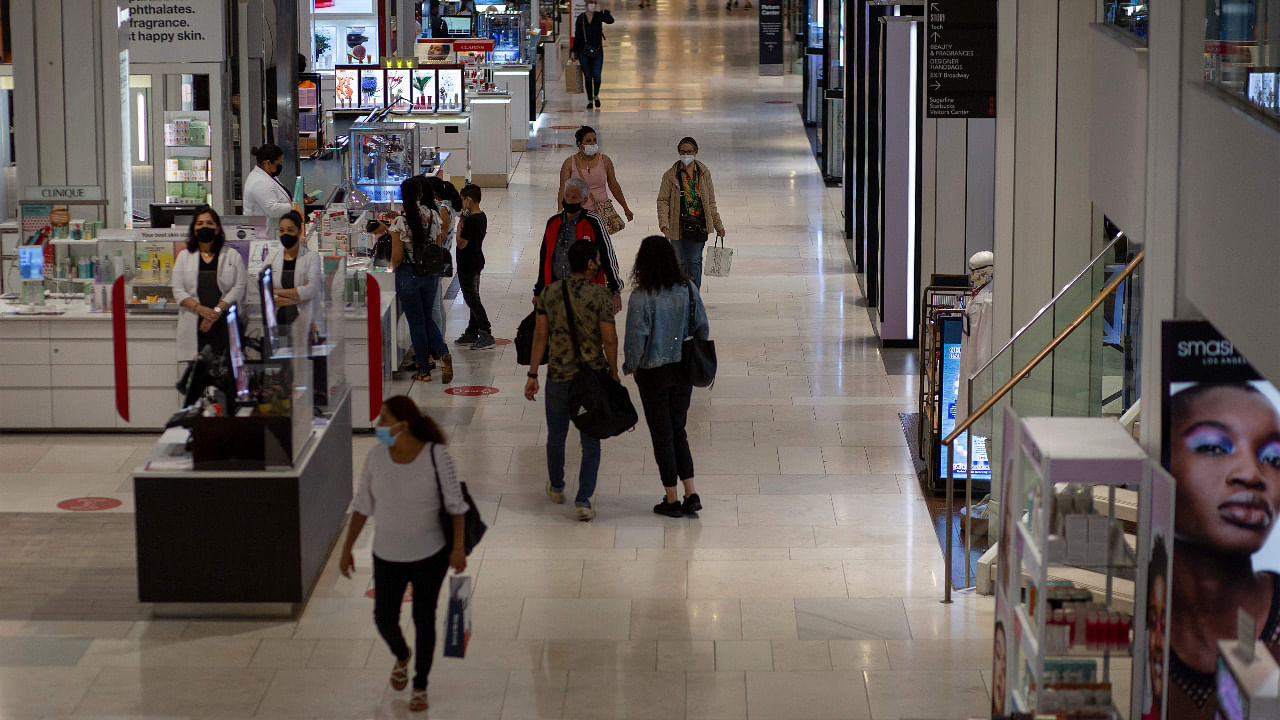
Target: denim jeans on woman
{"x": 417, "y": 296}
{"x": 591, "y": 69}
{"x": 689, "y": 253}
{"x": 389, "y": 581}
{"x": 558, "y": 421}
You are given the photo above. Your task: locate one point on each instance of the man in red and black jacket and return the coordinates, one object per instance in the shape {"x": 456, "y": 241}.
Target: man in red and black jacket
{"x": 566, "y": 228}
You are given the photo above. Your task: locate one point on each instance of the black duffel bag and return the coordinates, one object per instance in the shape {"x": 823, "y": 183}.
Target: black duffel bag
{"x": 697, "y": 356}
{"x": 599, "y": 405}
{"x": 524, "y": 340}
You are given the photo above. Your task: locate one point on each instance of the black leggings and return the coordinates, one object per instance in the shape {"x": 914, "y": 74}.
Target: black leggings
{"x": 389, "y": 582}
{"x": 665, "y": 396}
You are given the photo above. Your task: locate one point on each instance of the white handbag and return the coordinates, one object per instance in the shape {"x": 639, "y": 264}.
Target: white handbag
{"x": 719, "y": 259}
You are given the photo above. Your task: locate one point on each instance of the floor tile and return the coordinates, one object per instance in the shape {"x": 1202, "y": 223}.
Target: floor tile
{"x": 578, "y": 619}
{"x": 736, "y": 655}
{"x": 135, "y": 691}
{"x": 765, "y": 579}
{"x": 813, "y": 695}
{"x": 851, "y": 619}
{"x": 535, "y": 695}
{"x": 669, "y": 619}
{"x": 638, "y": 696}
{"x": 952, "y": 693}
{"x": 801, "y": 655}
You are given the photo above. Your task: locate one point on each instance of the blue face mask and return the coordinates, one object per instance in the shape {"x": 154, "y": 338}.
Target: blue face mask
{"x": 384, "y": 435}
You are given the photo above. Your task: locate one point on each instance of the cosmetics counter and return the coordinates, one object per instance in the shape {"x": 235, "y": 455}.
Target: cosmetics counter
{"x": 57, "y": 357}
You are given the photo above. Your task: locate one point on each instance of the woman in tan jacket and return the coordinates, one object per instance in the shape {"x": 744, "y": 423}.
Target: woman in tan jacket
{"x": 687, "y": 208}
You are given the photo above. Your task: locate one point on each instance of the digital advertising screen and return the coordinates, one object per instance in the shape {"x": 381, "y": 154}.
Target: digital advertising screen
{"x": 952, "y": 334}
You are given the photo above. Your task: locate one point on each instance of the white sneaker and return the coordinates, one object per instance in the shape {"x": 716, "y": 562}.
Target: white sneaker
{"x": 557, "y": 496}
{"x": 586, "y": 512}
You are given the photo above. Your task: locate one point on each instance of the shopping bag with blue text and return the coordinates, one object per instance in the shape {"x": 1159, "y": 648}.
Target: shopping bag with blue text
{"x": 457, "y": 628}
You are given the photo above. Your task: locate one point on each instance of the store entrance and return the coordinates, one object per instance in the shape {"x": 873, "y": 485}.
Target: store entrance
{"x": 178, "y": 142}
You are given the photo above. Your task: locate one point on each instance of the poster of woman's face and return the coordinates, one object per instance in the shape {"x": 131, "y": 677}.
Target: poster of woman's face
{"x": 1224, "y": 452}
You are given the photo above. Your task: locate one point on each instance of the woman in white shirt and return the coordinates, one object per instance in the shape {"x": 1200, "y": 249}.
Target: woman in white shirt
{"x": 297, "y": 277}
{"x": 207, "y": 279}
{"x": 263, "y": 193}
{"x": 404, "y": 483}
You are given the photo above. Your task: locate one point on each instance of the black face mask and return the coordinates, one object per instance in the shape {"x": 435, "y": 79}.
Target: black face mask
{"x": 276, "y": 172}
{"x": 572, "y": 208}
{"x": 206, "y": 236}
{"x": 288, "y": 241}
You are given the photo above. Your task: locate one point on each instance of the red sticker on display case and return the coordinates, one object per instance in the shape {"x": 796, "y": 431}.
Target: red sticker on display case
{"x": 89, "y": 504}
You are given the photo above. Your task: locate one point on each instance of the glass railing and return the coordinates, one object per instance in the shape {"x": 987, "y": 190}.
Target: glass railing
{"x": 1077, "y": 346}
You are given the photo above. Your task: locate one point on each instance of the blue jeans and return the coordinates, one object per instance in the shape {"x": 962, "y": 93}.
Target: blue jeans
{"x": 690, "y": 256}
{"x": 591, "y": 69}
{"x": 417, "y": 296}
{"x": 557, "y": 432}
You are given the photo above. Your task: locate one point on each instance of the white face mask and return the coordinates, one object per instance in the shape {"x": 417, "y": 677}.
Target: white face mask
{"x": 590, "y": 149}
{"x": 686, "y": 159}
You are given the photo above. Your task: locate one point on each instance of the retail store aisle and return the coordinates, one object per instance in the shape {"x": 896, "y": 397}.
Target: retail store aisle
{"x": 808, "y": 588}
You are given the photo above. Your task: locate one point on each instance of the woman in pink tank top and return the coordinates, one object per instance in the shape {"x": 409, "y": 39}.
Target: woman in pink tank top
{"x": 596, "y": 168}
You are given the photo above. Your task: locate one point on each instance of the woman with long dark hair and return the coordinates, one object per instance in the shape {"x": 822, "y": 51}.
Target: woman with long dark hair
{"x": 411, "y": 234}
{"x": 657, "y": 325}
{"x": 206, "y": 281}
{"x": 404, "y": 483}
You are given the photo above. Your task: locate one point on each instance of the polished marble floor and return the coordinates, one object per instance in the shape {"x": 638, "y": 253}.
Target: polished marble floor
{"x": 807, "y": 588}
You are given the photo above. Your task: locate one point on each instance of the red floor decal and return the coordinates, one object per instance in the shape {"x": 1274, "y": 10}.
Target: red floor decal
{"x": 558, "y": 145}
{"x": 564, "y": 127}
{"x": 89, "y": 504}
{"x": 472, "y": 390}
{"x": 502, "y": 341}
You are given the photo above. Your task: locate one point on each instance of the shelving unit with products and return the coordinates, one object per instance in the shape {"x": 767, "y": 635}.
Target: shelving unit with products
{"x": 1072, "y": 585}
{"x": 310, "y": 114}
{"x": 188, "y": 157}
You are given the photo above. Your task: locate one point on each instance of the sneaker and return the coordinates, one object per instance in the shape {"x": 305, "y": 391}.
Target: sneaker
{"x": 597, "y": 102}
{"x": 446, "y": 368}
{"x": 466, "y": 338}
{"x": 557, "y": 496}
{"x": 692, "y": 504}
{"x": 670, "y": 509}
{"x": 586, "y": 512}
{"x": 484, "y": 341}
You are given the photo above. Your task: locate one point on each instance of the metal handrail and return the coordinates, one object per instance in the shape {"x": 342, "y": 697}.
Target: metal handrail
{"x": 1050, "y": 304}
{"x": 999, "y": 394}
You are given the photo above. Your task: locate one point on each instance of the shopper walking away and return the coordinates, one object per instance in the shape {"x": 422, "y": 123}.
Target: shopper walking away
{"x": 263, "y": 193}
{"x": 207, "y": 279}
{"x": 657, "y": 324}
{"x": 417, "y": 257}
{"x": 297, "y": 276}
{"x": 597, "y": 348}
{"x": 471, "y": 231}
{"x": 571, "y": 224}
{"x": 687, "y": 208}
{"x": 406, "y": 480}
{"x": 596, "y": 169}
{"x": 588, "y": 48}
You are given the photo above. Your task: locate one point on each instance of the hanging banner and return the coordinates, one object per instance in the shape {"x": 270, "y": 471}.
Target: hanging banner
{"x": 770, "y": 37}
{"x": 1221, "y": 442}
{"x": 176, "y": 31}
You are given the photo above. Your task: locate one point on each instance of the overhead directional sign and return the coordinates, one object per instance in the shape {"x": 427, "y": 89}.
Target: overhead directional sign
{"x": 960, "y": 60}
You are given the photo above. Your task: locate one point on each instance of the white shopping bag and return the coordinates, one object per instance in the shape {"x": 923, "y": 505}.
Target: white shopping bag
{"x": 719, "y": 259}
{"x": 457, "y": 628}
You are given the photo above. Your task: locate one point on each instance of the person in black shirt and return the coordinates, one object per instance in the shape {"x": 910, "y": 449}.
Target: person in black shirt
{"x": 479, "y": 334}
{"x": 588, "y": 47}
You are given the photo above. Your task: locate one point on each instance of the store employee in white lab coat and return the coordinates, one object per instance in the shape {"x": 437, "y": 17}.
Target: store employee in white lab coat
{"x": 297, "y": 277}
{"x": 208, "y": 278}
{"x": 263, "y": 193}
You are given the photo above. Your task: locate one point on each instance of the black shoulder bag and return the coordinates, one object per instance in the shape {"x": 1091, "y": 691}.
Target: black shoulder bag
{"x": 598, "y": 405}
{"x": 429, "y": 259}
{"x": 475, "y": 527}
{"x": 697, "y": 356}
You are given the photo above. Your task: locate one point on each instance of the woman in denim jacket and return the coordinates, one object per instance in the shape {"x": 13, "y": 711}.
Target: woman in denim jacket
{"x": 657, "y": 325}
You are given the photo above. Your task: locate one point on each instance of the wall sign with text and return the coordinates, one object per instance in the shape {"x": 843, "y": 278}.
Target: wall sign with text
{"x": 960, "y": 59}
{"x": 165, "y": 31}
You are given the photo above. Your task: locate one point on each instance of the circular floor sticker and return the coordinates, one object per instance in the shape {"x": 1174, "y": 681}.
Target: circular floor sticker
{"x": 408, "y": 593}
{"x": 89, "y": 504}
{"x": 502, "y": 341}
{"x": 472, "y": 390}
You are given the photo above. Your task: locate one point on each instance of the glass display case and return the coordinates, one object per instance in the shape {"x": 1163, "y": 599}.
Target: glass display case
{"x": 451, "y": 89}
{"x": 383, "y": 155}
{"x": 424, "y": 89}
{"x": 507, "y": 32}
